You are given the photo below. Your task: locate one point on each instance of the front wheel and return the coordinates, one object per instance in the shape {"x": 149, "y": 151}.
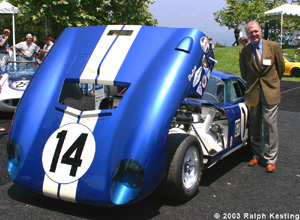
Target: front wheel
{"x": 185, "y": 159}
{"x": 296, "y": 72}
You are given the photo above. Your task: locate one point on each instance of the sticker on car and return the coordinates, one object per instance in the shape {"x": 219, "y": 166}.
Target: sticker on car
{"x": 20, "y": 85}
{"x": 204, "y": 42}
{"x": 68, "y": 153}
{"x": 197, "y": 76}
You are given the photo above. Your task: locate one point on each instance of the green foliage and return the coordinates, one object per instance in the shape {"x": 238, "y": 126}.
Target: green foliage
{"x": 126, "y": 12}
{"x": 59, "y": 14}
{"x": 242, "y": 11}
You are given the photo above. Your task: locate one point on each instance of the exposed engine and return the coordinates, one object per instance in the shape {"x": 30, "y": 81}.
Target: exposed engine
{"x": 209, "y": 124}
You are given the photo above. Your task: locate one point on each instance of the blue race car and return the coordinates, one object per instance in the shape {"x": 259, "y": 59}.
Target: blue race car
{"x": 159, "y": 117}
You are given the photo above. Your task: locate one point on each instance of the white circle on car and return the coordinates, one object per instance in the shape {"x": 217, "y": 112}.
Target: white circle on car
{"x": 20, "y": 84}
{"x": 68, "y": 153}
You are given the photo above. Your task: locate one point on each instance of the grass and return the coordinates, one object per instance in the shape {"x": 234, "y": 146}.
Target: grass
{"x": 228, "y": 60}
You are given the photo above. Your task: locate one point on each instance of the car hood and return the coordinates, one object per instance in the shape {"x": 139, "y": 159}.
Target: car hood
{"x": 160, "y": 67}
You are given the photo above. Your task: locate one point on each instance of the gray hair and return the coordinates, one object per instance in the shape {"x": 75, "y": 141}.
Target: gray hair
{"x": 250, "y": 23}
{"x": 28, "y": 35}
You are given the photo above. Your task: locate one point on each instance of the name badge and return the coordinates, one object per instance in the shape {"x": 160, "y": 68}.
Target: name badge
{"x": 266, "y": 62}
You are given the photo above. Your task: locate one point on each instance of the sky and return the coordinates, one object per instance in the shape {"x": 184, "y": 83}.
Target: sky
{"x": 193, "y": 14}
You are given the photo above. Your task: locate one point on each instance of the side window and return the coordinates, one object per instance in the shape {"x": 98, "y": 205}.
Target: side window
{"x": 242, "y": 88}
{"x": 236, "y": 90}
{"x": 220, "y": 92}
{"x": 214, "y": 91}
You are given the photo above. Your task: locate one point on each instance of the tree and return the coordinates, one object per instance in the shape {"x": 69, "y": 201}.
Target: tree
{"x": 240, "y": 12}
{"x": 126, "y": 12}
{"x": 59, "y": 14}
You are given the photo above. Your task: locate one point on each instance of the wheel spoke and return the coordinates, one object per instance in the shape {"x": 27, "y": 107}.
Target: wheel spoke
{"x": 190, "y": 169}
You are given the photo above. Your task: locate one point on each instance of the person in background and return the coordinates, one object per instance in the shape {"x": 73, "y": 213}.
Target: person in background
{"x": 236, "y": 33}
{"x": 212, "y": 45}
{"x": 34, "y": 39}
{"x": 298, "y": 48}
{"x": 48, "y": 43}
{"x": 7, "y": 58}
{"x": 4, "y": 48}
{"x": 244, "y": 41}
{"x": 11, "y": 53}
{"x": 266, "y": 31}
{"x": 27, "y": 49}
{"x": 37, "y": 57}
{"x": 262, "y": 66}
{"x": 87, "y": 89}
{"x": 204, "y": 60}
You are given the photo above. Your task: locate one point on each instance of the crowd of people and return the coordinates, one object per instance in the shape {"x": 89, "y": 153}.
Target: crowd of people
{"x": 27, "y": 50}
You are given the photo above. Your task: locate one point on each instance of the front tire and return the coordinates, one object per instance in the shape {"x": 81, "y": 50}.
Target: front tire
{"x": 296, "y": 72}
{"x": 185, "y": 164}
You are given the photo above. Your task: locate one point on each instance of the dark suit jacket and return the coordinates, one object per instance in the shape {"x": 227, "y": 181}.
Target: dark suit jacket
{"x": 268, "y": 78}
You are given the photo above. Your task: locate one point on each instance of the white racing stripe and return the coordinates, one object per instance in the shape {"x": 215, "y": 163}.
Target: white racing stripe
{"x": 114, "y": 59}
{"x": 90, "y": 71}
{"x": 67, "y": 191}
{"x": 103, "y": 67}
{"x": 108, "y": 56}
{"x": 50, "y": 188}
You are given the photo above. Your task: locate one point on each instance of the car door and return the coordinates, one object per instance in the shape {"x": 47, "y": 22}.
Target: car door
{"x": 237, "y": 112}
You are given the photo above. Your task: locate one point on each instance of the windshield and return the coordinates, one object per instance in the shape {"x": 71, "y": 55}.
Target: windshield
{"x": 20, "y": 69}
{"x": 214, "y": 91}
{"x": 290, "y": 58}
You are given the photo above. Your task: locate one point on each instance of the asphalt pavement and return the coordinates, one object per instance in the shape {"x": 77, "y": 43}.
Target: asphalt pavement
{"x": 229, "y": 190}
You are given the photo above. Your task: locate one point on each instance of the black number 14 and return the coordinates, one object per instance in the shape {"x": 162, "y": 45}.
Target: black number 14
{"x": 67, "y": 159}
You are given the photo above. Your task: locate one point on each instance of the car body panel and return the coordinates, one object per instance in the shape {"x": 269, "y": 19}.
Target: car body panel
{"x": 290, "y": 65}
{"x": 154, "y": 63}
{"x": 230, "y": 115}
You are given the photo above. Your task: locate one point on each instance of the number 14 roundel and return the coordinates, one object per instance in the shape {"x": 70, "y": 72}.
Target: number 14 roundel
{"x": 68, "y": 153}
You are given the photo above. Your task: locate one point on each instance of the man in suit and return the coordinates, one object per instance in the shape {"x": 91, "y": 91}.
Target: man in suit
{"x": 262, "y": 66}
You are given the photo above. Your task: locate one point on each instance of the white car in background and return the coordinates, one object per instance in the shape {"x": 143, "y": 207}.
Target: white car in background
{"x": 13, "y": 82}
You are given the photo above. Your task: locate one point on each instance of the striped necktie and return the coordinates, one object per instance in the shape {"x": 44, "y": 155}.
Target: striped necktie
{"x": 257, "y": 57}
